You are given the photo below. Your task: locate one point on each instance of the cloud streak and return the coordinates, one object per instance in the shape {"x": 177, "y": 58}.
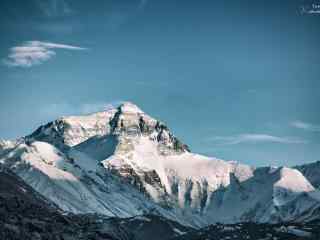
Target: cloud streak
{"x": 54, "y": 110}
{"x": 254, "y": 138}
{"x": 34, "y": 53}
{"x": 305, "y": 126}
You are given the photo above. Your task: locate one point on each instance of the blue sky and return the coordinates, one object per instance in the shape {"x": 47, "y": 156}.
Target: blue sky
{"x": 238, "y": 80}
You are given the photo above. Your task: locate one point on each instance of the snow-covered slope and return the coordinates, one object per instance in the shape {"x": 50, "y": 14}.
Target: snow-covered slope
{"x": 70, "y": 131}
{"x": 7, "y": 145}
{"x": 78, "y": 183}
{"x": 122, "y": 162}
{"x": 70, "y": 182}
{"x": 271, "y": 195}
{"x": 25, "y": 214}
{"x": 184, "y": 180}
{"x": 312, "y": 172}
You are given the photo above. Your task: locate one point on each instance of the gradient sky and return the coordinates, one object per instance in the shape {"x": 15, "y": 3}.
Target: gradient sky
{"x": 238, "y": 80}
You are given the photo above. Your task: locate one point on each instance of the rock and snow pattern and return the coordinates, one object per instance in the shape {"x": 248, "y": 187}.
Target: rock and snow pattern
{"x": 122, "y": 162}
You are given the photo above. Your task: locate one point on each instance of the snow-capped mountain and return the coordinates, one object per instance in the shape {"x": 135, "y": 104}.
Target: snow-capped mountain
{"x": 25, "y": 214}
{"x": 270, "y": 195}
{"x": 122, "y": 162}
{"x": 70, "y": 131}
{"x": 312, "y": 172}
{"x": 7, "y": 145}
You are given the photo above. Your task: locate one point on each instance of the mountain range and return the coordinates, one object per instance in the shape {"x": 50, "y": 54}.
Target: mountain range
{"x": 122, "y": 163}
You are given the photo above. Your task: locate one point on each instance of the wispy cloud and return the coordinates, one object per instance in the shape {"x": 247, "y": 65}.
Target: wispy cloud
{"x": 306, "y": 126}
{"x": 254, "y": 138}
{"x": 54, "y": 110}
{"x": 96, "y": 107}
{"x": 34, "y": 52}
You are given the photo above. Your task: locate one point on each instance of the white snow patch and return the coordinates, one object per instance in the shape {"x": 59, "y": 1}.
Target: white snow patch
{"x": 290, "y": 185}
{"x": 176, "y": 230}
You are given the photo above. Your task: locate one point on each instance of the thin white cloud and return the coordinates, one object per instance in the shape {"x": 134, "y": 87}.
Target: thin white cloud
{"x": 254, "y": 138}
{"x": 34, "y": 52}
{"x": 55, "y": 110}
{"x": 305, "y": 126}
{"x": 96, "y": 107}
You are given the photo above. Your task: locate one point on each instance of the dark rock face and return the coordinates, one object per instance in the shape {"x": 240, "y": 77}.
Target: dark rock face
{"x": 114, "y": 122}
{"x": 52, "y": 132}
{"x": 130, "y": 176}
{"x": 137, "y": 123}
{"x": 152, "y": 178}
{"x": 165, "y": 136}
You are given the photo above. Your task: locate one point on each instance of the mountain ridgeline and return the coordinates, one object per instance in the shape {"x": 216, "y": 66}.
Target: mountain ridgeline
{"x": 122, "y": 163}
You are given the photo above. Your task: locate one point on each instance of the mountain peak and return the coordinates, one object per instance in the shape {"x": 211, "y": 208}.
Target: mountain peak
{"x": 131, "y": 119}
{"x": 127, "y": 119}
{"x": 130, "y": 107}
{"x": 76, "y": 165}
